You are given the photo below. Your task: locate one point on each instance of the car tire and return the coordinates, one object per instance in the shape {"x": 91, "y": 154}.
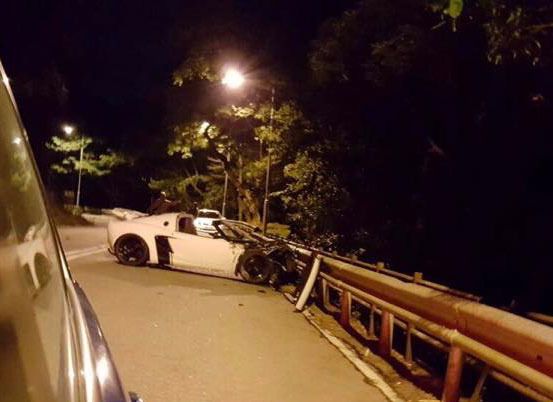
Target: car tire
{"x": 255, "y": 268}
{"x": 131, "y": 250}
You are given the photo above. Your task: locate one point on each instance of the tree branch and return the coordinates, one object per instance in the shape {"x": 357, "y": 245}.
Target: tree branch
{"x": 540, "y": 27}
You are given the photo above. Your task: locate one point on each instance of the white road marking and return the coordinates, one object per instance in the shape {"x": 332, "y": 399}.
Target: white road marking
{"x": 74, "y": 254}
{"x": 350, "y": 354}
{"x": 82, "y": 250}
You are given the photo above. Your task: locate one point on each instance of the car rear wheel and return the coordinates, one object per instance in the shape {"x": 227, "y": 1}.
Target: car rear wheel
{"x": 131, "y": 250}
{"x": 256, "y": 269}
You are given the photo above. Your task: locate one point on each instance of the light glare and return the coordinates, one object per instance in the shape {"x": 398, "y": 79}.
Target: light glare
{"x": 68, "y": 129}
{"x": 233, "y": 78}
{"x": 204, "y": 126}
{"x": 102, "y": 370}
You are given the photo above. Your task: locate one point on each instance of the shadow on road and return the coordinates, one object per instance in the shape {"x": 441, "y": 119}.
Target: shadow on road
{"x": 155, "y": 276}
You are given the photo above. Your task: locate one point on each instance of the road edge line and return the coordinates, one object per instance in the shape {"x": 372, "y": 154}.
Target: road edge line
{"x": 366, "y": 370}
{"x": 73, "y": 255}
{"x": 81, "y": 250}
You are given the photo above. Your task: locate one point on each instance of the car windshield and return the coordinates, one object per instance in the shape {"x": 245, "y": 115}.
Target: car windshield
{"x": 209, "y": 214}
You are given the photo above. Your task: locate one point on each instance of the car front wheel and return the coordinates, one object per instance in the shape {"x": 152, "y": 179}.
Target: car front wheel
{"x": 255, "y": 268}
{"x": 131, "y": 250}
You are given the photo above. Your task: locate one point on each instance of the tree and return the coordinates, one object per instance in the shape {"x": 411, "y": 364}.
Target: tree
{"x": 313, "y": 195}
{"x": 92, "y": 163}
{"x": 515, "y": 30}
{"x": 190, "y": 188}
{"x": 444, "y": 129}
{"x": 235, "y": 133}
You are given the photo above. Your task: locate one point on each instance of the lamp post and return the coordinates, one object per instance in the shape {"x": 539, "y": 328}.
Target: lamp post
{"x": 69, "y": 130}
{"x": 268, "y": 168}
{"x": 225, "y": 189}
{"x": 232, "y": 79}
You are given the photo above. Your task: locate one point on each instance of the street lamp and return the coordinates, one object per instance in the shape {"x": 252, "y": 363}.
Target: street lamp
{"x": 69, "y": 130}
{"x": 233, "y": 79}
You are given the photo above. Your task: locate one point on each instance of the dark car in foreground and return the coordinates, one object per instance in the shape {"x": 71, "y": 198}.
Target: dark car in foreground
{"x": 51, "y": 345}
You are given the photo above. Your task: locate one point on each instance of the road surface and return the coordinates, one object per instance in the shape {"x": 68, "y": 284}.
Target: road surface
{"x": 180, "y": 337}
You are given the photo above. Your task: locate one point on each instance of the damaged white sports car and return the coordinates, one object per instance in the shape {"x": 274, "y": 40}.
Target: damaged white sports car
{"x": 236, "y": 250}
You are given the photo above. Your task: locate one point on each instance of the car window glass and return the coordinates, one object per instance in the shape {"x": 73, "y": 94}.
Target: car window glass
{"x": 186, "y": 225}
{"x": 33, "y": 310}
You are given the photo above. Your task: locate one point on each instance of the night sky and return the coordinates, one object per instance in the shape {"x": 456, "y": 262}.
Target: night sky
{"x": 113, "y": 59}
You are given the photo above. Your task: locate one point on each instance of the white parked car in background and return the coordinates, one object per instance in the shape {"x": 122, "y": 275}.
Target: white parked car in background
{"x": 204, "y": 220}
{"x": 234, "y": 250}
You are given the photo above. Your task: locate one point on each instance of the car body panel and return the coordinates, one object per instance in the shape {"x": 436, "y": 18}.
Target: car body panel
{"x": 205, "y": 255}
{"x": 108, "y": 384}
{"x": 187, "y": 251}
{"x": 146, "y": 228}
{"x": 52, "y": 345}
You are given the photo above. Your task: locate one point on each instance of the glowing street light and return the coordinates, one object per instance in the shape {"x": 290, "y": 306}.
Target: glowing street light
{"x": 68, "y": 129}
{"x": 233, "y": 78}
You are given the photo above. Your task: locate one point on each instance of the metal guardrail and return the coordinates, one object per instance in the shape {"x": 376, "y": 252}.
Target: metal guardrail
{"x": 514, "y": 350}
{"x": 381, "y": 268}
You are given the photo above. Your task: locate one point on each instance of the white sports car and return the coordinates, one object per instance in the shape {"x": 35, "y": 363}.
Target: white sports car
{"x": 236, "y": 250}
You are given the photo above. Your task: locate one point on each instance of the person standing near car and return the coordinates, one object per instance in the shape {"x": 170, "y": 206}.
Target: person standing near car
{"x": 162, "y": 205}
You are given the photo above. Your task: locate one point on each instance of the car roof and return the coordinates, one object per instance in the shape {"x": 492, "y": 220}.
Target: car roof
{"x": 208, "y": 210}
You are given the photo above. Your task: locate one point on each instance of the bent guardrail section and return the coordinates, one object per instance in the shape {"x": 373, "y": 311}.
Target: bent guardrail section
{"x": 514, "y": 350}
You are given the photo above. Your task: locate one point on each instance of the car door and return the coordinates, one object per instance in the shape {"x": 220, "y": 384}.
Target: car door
{"x": 204, "y": 255}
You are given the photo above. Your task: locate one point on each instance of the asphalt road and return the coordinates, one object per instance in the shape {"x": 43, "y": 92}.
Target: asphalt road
{"x": 179, "y": 337}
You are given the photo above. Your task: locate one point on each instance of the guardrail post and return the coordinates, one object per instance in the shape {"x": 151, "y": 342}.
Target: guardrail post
{"x": 408, "y": 344}
{"x": 386, "y": 331}
{"x": 480, "y": 384}
{"x": 345, "y": 309}
{"x": 324, "y": 293}
{"x": 452, "y": 379}
{"x": 371, "y": 320}
{"x": 310, "y": 279}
